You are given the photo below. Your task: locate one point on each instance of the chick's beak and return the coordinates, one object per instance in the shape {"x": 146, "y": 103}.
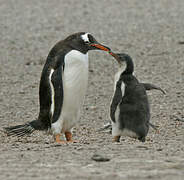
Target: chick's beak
{"x": 115, "y": 56}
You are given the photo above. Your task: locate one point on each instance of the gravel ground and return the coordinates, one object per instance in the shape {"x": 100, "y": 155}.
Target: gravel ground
{"x": 150, "y": 31}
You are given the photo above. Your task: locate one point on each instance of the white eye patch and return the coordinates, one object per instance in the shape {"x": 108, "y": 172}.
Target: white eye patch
{"x": 85, "y": 37}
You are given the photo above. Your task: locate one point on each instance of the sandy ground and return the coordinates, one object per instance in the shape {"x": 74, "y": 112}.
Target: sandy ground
{"x": 150, "y": 31}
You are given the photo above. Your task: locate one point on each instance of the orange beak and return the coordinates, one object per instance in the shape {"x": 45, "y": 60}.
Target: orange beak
{"x": 101, "y": 47}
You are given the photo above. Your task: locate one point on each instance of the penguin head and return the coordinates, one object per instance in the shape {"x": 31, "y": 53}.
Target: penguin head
{"x": 122, "y": 59}
{"x": 84, "y": 42}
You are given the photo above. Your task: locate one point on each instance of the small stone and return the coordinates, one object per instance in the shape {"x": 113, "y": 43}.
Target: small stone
{"x": 100, "y": 158}
{"x": 159, "y": 149}
{"x": 142, "y": 147}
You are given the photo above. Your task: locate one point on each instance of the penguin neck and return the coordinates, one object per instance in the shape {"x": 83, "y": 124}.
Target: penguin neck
{"x": 129, "y": 69}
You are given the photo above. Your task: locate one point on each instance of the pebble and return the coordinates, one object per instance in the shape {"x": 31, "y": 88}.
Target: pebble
{"x": 100, "y": 158}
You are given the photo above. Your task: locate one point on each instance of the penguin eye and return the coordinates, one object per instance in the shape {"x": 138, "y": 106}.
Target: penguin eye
{"x": 87, "y": 42}
{"x": 91, "y": 38}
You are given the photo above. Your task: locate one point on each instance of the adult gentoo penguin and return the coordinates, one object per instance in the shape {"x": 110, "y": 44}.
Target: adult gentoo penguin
{"x": 63, "y": 86}
{"x": 129, "y": 109}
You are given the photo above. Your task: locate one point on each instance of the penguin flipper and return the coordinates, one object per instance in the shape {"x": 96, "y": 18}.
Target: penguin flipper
{"x": 115, "y": 101}
{"x": 57, "y": 82}
{"x": 51, "y": 80}
{"x": 149, "y": 86}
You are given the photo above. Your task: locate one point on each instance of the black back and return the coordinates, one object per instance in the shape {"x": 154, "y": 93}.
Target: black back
{"x": 134, "y": 107}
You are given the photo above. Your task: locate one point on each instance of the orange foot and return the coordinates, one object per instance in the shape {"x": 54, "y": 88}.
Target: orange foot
{"x": 178, "y": 124}
{"x": 58, "y": 140}
{"x": 157, "y": 131}
{"x": 68, "y": 136}
{"x": 116, "y": 139}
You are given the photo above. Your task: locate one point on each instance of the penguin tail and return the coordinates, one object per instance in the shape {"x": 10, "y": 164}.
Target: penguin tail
{"x": 153, "y": 126}
{"x": 20, "y": 130}
{"x": 107, "y": 127}
{"x": 24, "y": 129}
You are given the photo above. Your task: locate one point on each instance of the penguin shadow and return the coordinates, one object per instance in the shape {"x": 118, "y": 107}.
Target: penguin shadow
{"x": 130, "y": 107}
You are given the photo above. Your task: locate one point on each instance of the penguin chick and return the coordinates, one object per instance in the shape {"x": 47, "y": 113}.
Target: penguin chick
{"x": 129, "y": 109}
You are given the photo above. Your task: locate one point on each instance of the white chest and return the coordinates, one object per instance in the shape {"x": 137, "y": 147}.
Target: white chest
{"x": 76, "y": 66}
{"x": 75, "y": 81}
